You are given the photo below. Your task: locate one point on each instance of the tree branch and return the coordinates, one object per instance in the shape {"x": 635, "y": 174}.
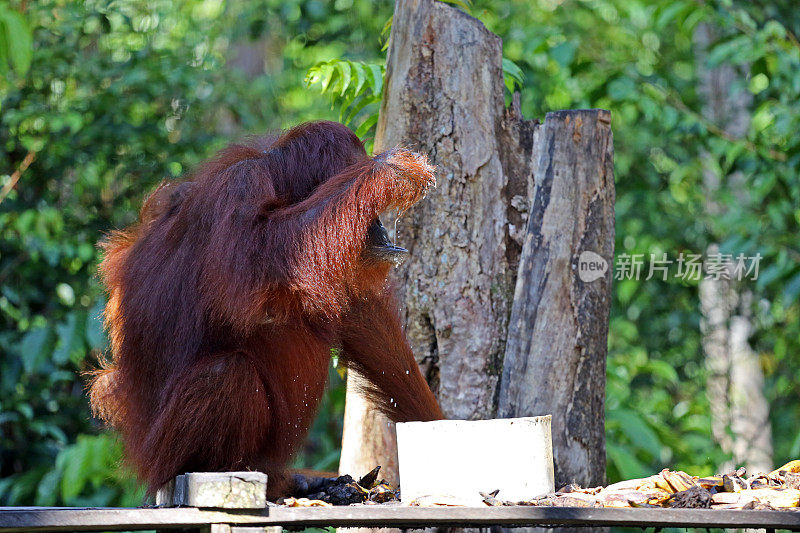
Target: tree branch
{"x": 17, "y": 174}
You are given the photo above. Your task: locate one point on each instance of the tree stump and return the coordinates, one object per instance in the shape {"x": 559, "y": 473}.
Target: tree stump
{"x": 555, "y": 360}
{"x": 480, "y": 331}
{"x": 444, "y": 97}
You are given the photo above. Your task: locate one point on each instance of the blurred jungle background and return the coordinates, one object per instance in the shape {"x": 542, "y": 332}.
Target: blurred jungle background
{"x": 101, "y": 99}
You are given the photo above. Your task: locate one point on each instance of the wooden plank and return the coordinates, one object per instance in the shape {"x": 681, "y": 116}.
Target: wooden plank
{"x": 405, "y": 517}
{"x": 106, "y": 519}
{"x": 72, "y": 519}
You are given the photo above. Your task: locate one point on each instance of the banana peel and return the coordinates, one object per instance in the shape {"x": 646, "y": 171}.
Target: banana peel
{"x": 778, "y": 498}
{"x": 791, "y": 466}
{"x": 711, "y": 483}
{"x": 638, "y": 484}
{"x": 733, "y": 484}
{"x": 668, "y": 489}
{"x": 304, "y": 502}
{"x": 774, "y": 497}
{"x": 677, "y": 481}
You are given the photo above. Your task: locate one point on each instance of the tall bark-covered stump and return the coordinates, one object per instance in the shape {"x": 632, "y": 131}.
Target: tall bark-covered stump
{"x": 555, "y": 360}
{"x": 492, "y": 342}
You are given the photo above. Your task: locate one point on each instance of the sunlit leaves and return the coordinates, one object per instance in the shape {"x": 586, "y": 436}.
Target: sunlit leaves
{"x": 348, "y": 83}
{"x": 513, "y": 77}
{"x": 356, "y": 86}
{"x": 88, "y": 473}
{"x": 758, "y": 83}
{"x": 114, "y": 100}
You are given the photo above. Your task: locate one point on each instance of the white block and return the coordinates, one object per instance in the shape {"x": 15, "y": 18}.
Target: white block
{"x": 454, "y": 460}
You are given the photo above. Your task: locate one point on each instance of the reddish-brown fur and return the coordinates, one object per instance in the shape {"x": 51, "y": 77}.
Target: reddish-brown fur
{"x": 227, "y": 296}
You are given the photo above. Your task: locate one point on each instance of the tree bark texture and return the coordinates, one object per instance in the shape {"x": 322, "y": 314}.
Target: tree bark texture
{"x": 555, "y": 360}
{"x": 444, "y": 96}
{"x": 368, "y": 439}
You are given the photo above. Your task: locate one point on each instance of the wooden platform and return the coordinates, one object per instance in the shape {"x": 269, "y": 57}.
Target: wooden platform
{"x": 16, "y": 519}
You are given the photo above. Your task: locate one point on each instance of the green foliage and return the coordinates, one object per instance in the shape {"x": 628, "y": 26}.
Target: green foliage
{"x": 88, "y": 473}
{"x": 513, "y": 77}
{"x": 16, "y": 41}
{"x": 119, "y": 95}
{"x": 639, "y": 59}
{"x": 466, "y": 5}
{"x": 357, "y": 86}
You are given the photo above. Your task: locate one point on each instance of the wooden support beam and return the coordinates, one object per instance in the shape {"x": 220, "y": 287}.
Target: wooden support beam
{"x": 18, "y": 519}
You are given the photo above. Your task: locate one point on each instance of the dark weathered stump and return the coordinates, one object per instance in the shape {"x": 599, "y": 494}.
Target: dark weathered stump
{"x": 555, "y": 360}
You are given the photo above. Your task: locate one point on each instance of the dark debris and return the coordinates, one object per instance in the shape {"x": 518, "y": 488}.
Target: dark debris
{"x": 344, "y": 490}
{"x": 692, "y": 498}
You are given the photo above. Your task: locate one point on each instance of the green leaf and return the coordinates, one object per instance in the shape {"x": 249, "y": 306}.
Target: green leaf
{"x": 758, "y": 83}
{"x": 626, "y": 289}
{"x": 636, "y": 429}
{"x": 625, "y": 462}
{"x": 668, "y": 14}
{"x": 386, "y": 33}
{"x": 564, "y": 53}
{"x": 365, "y": 126}
{"x": 47, "y": 491}
{"x": 361, "y": 76}
{"x": 345, "y": 70}
{"x": 57, "y": 433}
{"x": 376, "y": 78}
{"x": 3, "y": 49}
{"x": 792, "y": 290}
{"x": 5, "y": 485}
{"x": 95, "y": 334}
{"x": 512, "y": 74}
{"x": 328, "y": 72}
{"x": 25, "y": 410}
{"x": 387, "y": 27}
{"x": 346, "y": 101}
{"x": 622, "y": 88}
{"x": 794, "y": 452}
{"x": 31, "y": 349}
{"x": 463, "y": 4}
{"x": 19, "y": 39}
{"x": 360, "y": 104}
{"x": 24, "y": 486}
{"x": 76, "y": 461}
{"x": 663, "y": 370}
{"x": 65, "y": 332}
{"x": 768, "y": 275}
{"x": 733, "y": 50}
